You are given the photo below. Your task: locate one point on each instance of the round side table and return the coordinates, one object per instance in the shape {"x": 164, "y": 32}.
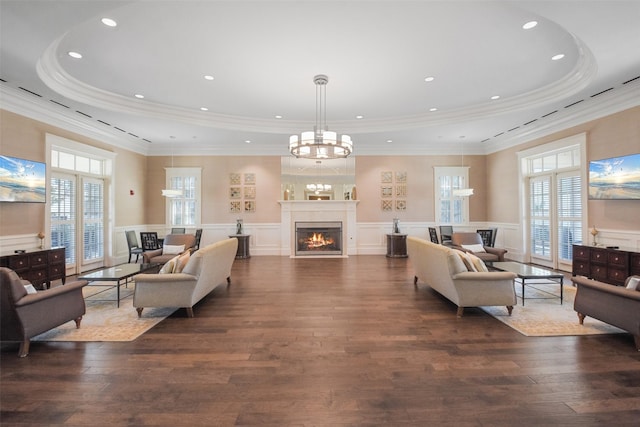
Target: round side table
{"x": 243, "y": 245}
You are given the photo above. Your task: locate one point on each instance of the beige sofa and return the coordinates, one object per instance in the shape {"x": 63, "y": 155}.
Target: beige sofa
{"x": 158, "y": 255}
{"x": 207, "y": 268}
{"x": 442, "y": 268}
{"x": 611, "y": 304}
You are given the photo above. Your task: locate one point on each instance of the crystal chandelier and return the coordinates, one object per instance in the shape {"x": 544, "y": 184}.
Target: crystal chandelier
{"x": 320, "y": 143}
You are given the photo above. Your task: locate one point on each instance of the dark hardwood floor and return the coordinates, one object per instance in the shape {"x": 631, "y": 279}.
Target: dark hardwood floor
{"x": 325, "y": 342}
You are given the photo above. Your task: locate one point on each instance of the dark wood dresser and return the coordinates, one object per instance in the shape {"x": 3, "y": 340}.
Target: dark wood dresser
{"x": 604, "y": 264}
{"x": 40, "y": 267}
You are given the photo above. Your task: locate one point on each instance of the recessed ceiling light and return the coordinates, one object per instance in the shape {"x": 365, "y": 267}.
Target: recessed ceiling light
{"x": 278, "y": 116}
{"x": 389, "y": 140}
{"x": 433, "y": 109}
{"x": 75, "y": 55}
{"x": 529, "y": 25}
{"x": 207, "y": 77}
{"x": 495, "y": 97}
{"x": 429, "y": 79}
{"x": 558, "y": 56}
{"x": 139, "y": 96}
{"x": 359, "y": 117}
{"x": 109, "y": 22}
{"x": 204, "y": 109}
{"x": 248, "y": 141}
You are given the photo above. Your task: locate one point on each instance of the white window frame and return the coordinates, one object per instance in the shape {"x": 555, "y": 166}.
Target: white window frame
{"x": 451, "y": 171}
{"x": 526, "y": 161}
{"x": 172, "y": 173}
{"x": 92, "y": 162}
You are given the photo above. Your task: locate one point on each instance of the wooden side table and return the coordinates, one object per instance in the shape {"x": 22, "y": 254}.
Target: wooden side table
{"x": 397, "y": 245}
{"x": 243, "y": 245}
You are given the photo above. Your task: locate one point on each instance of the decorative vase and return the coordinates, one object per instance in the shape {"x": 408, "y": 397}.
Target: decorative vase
{"x": 239, "y": 226}
{"x": 594, "y": 233}
{"x": 354, "y": 194}
{"x": 286, "y": 194}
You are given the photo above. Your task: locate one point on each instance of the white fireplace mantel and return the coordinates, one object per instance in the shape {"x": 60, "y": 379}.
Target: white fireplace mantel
{"x": 318, "y": 210}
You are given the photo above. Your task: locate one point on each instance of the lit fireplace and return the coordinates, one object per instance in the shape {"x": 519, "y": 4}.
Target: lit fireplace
{"x": 319, "y": 238}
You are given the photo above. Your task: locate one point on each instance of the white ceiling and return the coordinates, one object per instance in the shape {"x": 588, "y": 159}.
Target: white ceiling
{"x": 264, "y": 54}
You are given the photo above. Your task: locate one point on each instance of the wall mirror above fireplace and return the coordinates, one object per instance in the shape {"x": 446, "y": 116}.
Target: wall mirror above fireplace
{"x": 310, "y": 179}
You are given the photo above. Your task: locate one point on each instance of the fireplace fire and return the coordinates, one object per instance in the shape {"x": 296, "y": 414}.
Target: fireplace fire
{"x": 319, "y": 238}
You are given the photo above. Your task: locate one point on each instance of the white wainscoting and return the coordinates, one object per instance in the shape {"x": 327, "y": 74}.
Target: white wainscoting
{"x": 27, "y": 242}
{"x": 369, "y": 238}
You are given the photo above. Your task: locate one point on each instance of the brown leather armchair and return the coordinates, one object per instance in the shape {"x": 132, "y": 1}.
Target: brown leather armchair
{"x": 158, "y": 255}
{"x": 473, "y": 239}
{"x": 24, "y": 315}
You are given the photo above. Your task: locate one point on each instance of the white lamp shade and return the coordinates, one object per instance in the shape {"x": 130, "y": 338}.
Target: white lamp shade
{"x": 171, "y": 193}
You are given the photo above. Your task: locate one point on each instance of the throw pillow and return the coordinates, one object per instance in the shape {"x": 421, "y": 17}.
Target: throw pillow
{"x": 478, "y": 263}
{"x": 30, "y": 289}
{"x": 169, "y": 266}
{"x": 172, "y": 249}
{"x": 633, "y": 283}
{"x": 182, "y": 262}
{"x": 466, "y": 260}
{"x": 193, "y": 265}
{"x": 474, "y": 248}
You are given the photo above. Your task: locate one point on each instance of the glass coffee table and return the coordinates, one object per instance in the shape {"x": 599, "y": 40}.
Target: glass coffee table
{"x": 120, "y": 274}
{"x": 529, "y": 272}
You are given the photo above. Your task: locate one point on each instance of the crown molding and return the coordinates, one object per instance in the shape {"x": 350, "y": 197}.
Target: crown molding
{"x": 34, "y": 108}
{"x": 623, "y": 98}
{"x": 52, "y": 73}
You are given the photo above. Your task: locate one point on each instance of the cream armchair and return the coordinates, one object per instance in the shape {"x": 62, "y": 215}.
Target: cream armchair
{"x": 472, "y": 243}
{"x": 161, "y": 256}
{"x": 206, "y": 269}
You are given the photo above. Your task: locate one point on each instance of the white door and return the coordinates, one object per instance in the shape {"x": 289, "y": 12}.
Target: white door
{"x": 64, "y": 217}
{"x": 555, "y": 217}
{"x": 77, "y": 220}
{"x": 569, "y": 218}
{"x": 540, "y": 234}
{"x": 92, "y": 223}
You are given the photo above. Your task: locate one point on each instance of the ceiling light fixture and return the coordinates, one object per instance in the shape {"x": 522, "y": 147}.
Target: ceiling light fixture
{"x": 109, "y": 22}
{"x": 320, "y": 143}
{"x": 529, "y": 25}
{"x": 462, "y": 192}
{"x": 172, "y": 192}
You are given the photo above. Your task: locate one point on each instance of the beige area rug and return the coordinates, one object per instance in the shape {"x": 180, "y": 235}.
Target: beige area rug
{"x": 545, "y": 317}
{"x": 104, "y": 321}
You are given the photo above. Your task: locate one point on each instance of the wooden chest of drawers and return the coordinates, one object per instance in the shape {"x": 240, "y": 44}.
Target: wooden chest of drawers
{"x": 604, "y": 264}
{"x": 40, "y": 267}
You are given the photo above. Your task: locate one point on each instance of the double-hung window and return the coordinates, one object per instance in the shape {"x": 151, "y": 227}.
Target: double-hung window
{"x": 451, "y": 209}
{"x": 183, "y": 209}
